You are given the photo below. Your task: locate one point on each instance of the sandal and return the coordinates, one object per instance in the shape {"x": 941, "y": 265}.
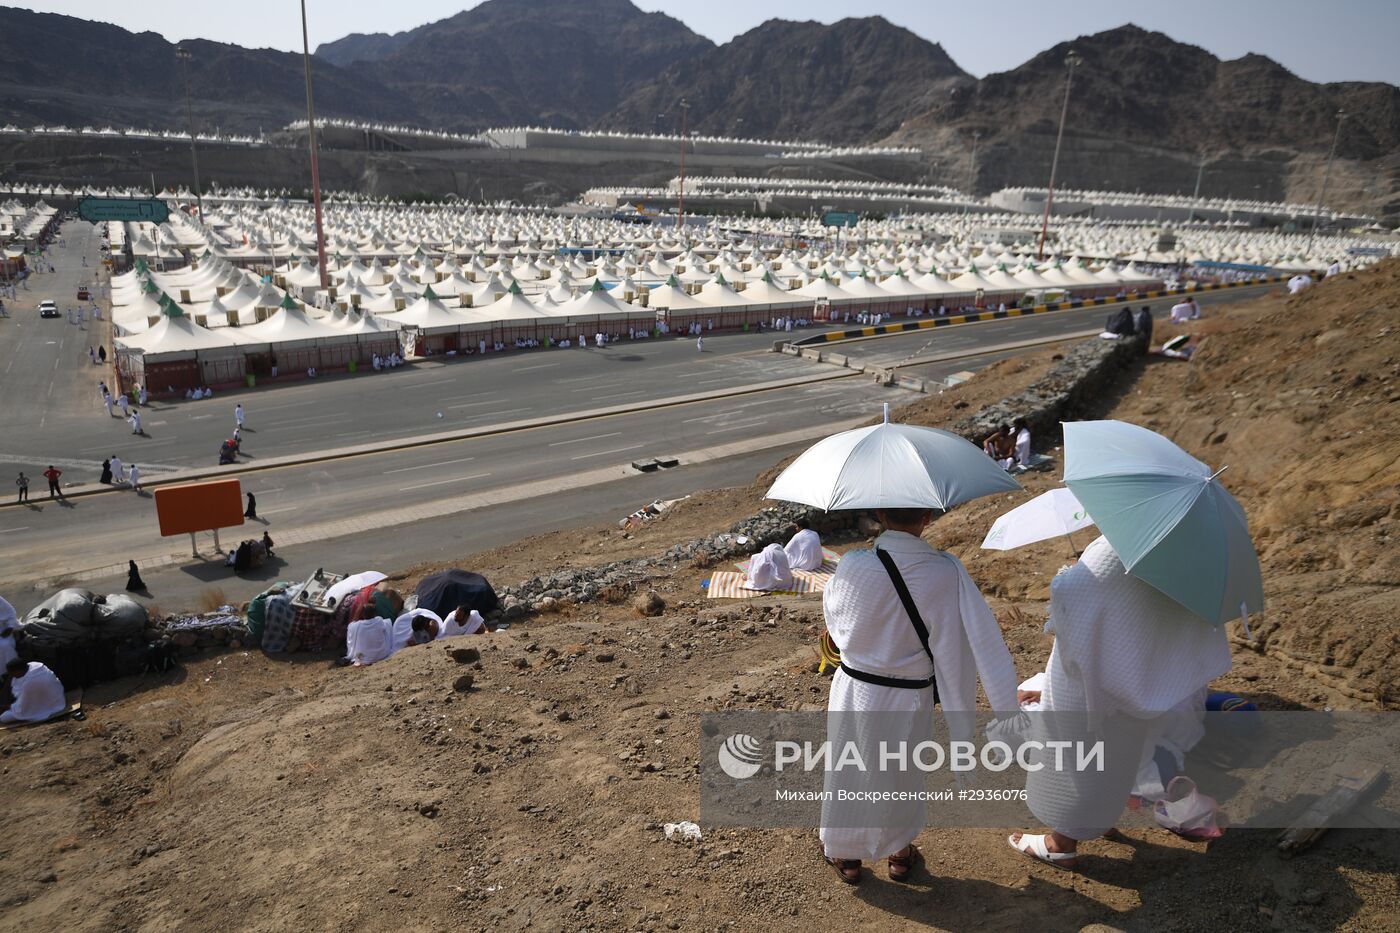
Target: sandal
{"x": 1035, "y": 847}
{"x": 900, "y": 865}
{"x": 843, "y": 866}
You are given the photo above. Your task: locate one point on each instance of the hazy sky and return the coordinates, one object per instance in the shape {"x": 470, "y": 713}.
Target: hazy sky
{"x": 1339, "y": 40}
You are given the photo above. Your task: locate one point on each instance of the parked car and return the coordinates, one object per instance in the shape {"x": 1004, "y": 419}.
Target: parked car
{"x": 48, "y": 309}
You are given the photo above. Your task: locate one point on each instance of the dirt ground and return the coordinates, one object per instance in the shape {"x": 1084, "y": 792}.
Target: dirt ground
{"x": 243, "y": 792}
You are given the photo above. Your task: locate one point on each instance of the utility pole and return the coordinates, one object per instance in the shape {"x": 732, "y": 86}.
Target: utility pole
{"x": 680, "y": 201}
{"x": 184, "y": 55}
{"x": 972, "y": 163}
{"x": 315, "y": 165}
{"x": 1195, "y": 195}
{"x": 1326, "y": 177}
{"x": 1072, "y": 61}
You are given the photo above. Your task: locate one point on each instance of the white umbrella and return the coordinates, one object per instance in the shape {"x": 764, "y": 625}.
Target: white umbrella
{"x": 891, "y": 466}
{"x": 352, "y": 584}
{"x": 1048, "y": 515}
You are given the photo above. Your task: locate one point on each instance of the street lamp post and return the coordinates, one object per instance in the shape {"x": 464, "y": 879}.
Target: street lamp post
{"x": 680, "y": 200}
{"x": 315, "y": 165}
{"x": 183, "y": 54}
{"x": 1072, "y": 61}
{"x": 1195, "y": 195}
{"x": 1326, "y": 177}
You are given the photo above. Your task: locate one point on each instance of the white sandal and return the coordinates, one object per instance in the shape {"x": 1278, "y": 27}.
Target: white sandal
{"x": 1034, "y": 846}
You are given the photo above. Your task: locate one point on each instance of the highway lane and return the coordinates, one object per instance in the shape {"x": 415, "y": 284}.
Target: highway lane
{"x": 55, "y": 539}
{"x": 895, "y": 349}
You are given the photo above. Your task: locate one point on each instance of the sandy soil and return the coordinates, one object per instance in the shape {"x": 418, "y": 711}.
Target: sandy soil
{"x": 243, "y": 792}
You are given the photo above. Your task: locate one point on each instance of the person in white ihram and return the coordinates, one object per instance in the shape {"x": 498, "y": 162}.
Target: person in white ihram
{"x": 9, "y": 621}
{"x": 895, "y": 660}
{"x": 238, "y": 416}
{"x": 118, "y": 471}
{"x": 1126, "y": 655}
{"x": 37, "y": 692}
{"x": 769, "y": 570}
{"x": 135, "y": 478}
{"x": 369, "y": 638}
{"x": 1185, "y": 311}
{"x": 804, "y": 548}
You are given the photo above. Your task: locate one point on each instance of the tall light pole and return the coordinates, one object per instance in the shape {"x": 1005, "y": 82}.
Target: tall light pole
{"x": 680, "y": 201}
{"x": 315, "y": 165}
{"x": 1195, "y": 195}
{"x": 1072, "y": 61}
{"x": 1326, "y": 177}
{"x": 183, "y": 54}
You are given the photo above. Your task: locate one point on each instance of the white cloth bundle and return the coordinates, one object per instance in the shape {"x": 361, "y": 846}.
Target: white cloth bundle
{"x": 804, "y": 551}
{"x": 769, "y": 569}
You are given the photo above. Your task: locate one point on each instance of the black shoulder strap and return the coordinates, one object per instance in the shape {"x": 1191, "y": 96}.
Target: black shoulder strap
{"x": 917, "y": 620}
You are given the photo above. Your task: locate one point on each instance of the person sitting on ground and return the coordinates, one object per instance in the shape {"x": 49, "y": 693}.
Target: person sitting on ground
{"x": 369, "y": 638}
{"x": 1001, "y": 447}
{"x": 35, "y": 692}
{"x": 769, "y": 570}
{"x": 1184, "y": 311}
{"x": 804, "y": 548}
{"x": 1023, "y": 441}
{"x": 416, "y": 627}
{"x": 472, "y": 625}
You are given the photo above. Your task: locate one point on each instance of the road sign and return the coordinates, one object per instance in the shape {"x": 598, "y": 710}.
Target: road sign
{"x": 840, "y": 219}
{"x": 96, "y": 210}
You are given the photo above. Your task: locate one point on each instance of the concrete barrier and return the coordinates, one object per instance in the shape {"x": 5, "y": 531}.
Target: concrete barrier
{"x": 791, "y": 350}
{"x": 911, "y": 383}
{"x": 814, "y": 355}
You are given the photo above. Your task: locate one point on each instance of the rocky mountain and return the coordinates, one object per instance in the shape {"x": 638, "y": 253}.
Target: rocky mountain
{"x": 61, "y": 69}
{"x": 1145, "y": 109}
{"x": 511, "y": 62}
{"x": 850, "y": 81}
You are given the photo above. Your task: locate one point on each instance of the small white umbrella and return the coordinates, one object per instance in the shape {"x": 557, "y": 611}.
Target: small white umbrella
{"x": 1048, "y": 515}
{"x": 352, "y": 584}
{"x": 891, "y": 466}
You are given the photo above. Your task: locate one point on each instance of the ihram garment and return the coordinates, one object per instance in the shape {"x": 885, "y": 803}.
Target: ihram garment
{"x": 369, "y": 640}
{"x": 769, "y": 570}
{"x": 1124, "y": 656}
{"x": 872, "y": 630}
{"x": 38, "y": 695}
{"x": 804, "y": 551}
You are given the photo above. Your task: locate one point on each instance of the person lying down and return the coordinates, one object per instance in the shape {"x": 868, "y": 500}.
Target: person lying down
{"x": 373, "y": 638}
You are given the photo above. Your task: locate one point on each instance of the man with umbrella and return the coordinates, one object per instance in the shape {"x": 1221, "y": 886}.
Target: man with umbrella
{"x": 1138, "y": 622}
{"x": 912, "y": 629}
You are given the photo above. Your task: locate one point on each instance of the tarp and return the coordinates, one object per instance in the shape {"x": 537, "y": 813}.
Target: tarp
{"x": 444, "y": 592}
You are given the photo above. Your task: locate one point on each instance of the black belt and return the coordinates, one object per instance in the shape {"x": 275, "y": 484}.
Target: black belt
{"x": 880, "y": 680}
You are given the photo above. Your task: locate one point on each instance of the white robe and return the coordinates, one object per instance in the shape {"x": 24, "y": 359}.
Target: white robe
{"x": 403, "y": 626}
{"x": 1023, "y": 446}
{"x": 804, "y": 551}
{"x": 769, "y": 570}
{"x": 451, "y": 627}
{"x": 872, "y": 630}
{"x": 369, "y": 640}
{"x": 1125, "y": 655}
{"x": 38, "y": 695}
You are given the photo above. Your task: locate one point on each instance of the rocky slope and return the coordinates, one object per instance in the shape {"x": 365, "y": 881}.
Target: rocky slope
{"x": 509, "y": 62}
{"x": 61, "y": 69}
{"x": 850, "y": 81}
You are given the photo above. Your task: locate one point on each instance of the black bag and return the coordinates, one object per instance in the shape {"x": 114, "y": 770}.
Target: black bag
{"x": 1120, "y": 322}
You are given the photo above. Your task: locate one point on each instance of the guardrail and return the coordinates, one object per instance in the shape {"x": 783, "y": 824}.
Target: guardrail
{"x": 927, "y": 323}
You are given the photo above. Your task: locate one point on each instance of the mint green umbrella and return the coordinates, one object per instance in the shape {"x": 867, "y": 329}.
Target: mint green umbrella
{"x": 1167, "y": 516}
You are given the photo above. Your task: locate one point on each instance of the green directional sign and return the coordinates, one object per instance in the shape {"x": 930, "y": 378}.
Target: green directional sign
{"x": 840, "y": 219}
{"x": 96, "y": 210}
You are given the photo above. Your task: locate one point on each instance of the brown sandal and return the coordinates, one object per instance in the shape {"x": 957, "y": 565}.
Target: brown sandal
{"x": 844, "y": 865}
{"x": 900, "y": 865}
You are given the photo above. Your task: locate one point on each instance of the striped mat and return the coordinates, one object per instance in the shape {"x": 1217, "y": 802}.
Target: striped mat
{"x": 729, "y": 584}
{"x": 829, "y": 561}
